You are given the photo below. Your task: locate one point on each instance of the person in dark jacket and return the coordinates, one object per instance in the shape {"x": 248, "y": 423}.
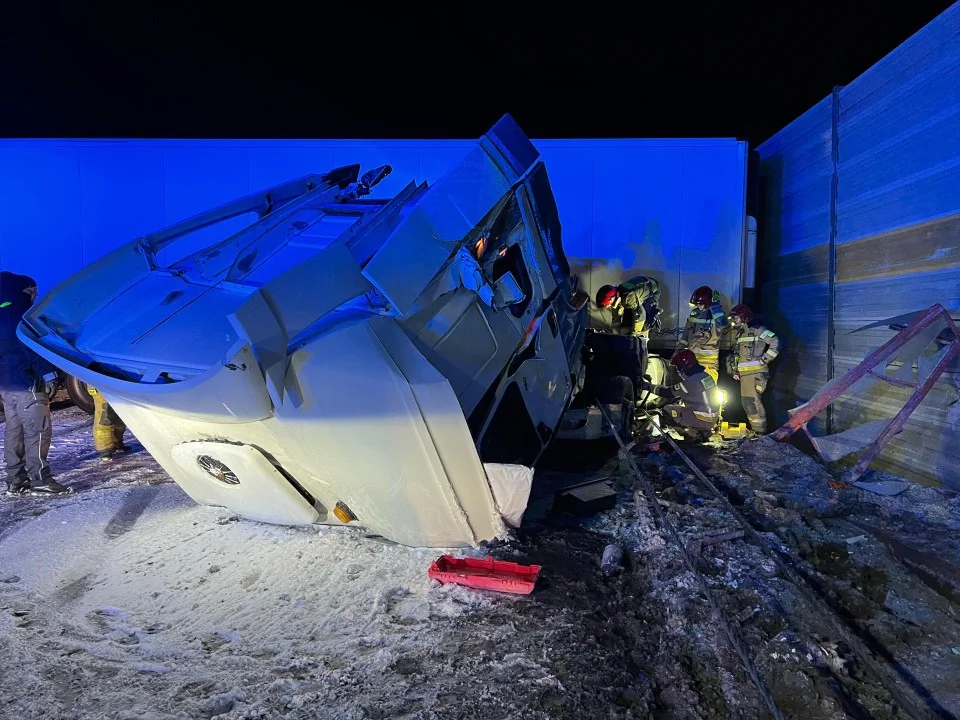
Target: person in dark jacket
{"x": 25, "y": 380}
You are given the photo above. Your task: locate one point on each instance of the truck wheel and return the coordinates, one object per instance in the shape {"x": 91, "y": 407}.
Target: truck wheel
{"x": 77, "y": 390}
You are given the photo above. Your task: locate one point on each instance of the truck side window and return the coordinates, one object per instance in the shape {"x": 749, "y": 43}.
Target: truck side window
{"x": 512, "y": 261}
{"x": 506, "y": 238}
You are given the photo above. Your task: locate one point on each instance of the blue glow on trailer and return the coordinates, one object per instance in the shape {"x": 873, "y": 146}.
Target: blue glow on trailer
{"x": 661, "y": 207}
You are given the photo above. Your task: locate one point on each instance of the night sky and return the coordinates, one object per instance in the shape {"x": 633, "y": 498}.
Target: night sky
{"x": 94, "y": 69}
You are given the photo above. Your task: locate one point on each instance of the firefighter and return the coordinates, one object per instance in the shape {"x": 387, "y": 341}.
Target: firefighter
{"x": 705, "y": 326}
{"x": 635, "y": 304}
{"x": 695, "y": 397}
{"x": 755, "y": 348}
{"x": 108, "y": 428}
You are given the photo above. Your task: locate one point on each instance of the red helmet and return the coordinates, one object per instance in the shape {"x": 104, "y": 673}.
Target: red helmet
{"x": 703, "y": 295}
{"x": 605, "y": 296}
{"x": 743, "y": 311}
{"x": 684, "y": 360}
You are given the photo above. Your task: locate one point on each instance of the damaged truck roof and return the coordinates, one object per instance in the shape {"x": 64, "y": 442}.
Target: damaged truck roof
{"x": 343, "y": 358}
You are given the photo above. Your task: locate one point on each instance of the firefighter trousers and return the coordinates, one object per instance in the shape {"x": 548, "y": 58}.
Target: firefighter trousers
{"x": 108, "y": 428}
{"x": 752, "y": 386}
{"x": 686, "y": 420}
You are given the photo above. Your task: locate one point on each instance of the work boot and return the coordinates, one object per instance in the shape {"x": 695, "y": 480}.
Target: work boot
{"x": 754, "y": 432}
{"x": 50, "y": 487}
{"x": 108, "y": 455}
{"x": 18, "y": 486}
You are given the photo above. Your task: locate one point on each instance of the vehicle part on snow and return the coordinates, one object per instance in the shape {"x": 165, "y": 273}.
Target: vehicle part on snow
{"x": 586, "y": 498}
{"x": 511, "y": 485}
{"x": 485, "y": 574}
{"x": 341, "y": 350}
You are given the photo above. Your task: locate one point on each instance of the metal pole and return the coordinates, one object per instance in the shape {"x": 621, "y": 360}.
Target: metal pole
{"x": 832, "y": 245}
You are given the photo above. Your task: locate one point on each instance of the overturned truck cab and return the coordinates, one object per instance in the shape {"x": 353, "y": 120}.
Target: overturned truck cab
{"x": 343, "y": 359}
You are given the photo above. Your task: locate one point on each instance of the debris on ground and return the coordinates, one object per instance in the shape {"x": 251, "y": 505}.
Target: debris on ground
{"x": 127, "y": 600}
{"x": 612, "y": 561}
{"x": 485, "y": 574}
{"x": 884, "y": 487}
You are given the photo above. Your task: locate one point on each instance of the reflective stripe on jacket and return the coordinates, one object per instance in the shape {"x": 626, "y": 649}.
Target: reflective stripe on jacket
{"x": 756, "y": 347}
{"x": 696, "y": 392}
{"x": 704, "y": 328}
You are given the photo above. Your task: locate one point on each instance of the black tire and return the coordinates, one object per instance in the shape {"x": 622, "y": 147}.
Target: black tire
{"x": 77, "y": 390}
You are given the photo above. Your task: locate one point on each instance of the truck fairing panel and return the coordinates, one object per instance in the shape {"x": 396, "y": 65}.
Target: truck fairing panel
{"x": 342, "y": 358}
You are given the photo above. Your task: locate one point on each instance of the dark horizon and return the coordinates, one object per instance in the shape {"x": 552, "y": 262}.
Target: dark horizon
{"x": 100, "y": 72}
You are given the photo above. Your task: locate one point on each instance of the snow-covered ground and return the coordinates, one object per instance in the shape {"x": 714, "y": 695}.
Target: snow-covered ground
{"x": 189, "y": 611}
{"x": 129, "y": 601}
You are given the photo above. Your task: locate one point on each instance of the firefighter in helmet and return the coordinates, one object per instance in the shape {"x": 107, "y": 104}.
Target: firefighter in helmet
{"x": 694, "y": 406}
{"x": 108, "y": 428}
{"x": 635, "y": 304}
{"x": 755, "y": 348}
{"x": 705, "y": 326}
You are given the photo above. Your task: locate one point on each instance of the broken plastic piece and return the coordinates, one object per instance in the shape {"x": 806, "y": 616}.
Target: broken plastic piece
{"x": 485, "y": 574}
{"x": 511, "y": 486}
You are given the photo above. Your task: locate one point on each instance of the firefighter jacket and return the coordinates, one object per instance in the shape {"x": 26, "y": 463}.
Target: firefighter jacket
{"x": 635, "y": 290}
{"x": 697, "y": 391}
{"x": 755, "y": 348}
{"x": 703, "y": 331}
{"x": 638, "y": 295}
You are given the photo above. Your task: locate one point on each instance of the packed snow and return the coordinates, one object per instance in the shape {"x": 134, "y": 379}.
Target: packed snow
{"x": 129, "y": 601}
{"x": 189, "y": 611}
{"x": 215, "y": 603}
